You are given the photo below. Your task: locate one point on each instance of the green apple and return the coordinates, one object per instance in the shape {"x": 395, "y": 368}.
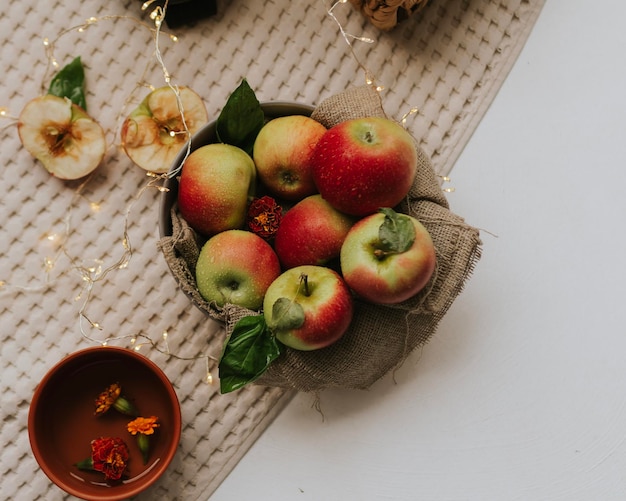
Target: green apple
{"x": 154, "y": 132}
{"x": 308, "y": 307}
{"x": 236, "y": 267}
{"x": 311, "y": 232}
{"x": 216, "y": 182}
{"x": 387, "y": 257}
{"x": 67, "y": 141}
{"x": 282, "y": 154}
{"x": 363, "y": 164}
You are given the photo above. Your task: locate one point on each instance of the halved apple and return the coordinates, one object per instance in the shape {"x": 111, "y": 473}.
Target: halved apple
{"x": 154, "y": 132}
{"x": 62, "y": 136}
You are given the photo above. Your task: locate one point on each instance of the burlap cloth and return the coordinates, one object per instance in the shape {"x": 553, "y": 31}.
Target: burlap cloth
{"x": 380, "y": 337}
{"x": 449, "y": 60}
{"x": 386, "y": 14}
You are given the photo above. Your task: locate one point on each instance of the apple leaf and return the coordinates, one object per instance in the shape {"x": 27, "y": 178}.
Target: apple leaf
{"x": 241, "y": 119}
{"x": 69, "y": 82}
{"x": 248, "y": 352}
{"x": 287, "y": 314}
{"x": 396, "y": 233}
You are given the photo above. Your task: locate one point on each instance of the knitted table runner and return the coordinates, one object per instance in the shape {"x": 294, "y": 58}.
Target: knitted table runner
{"x": 447, "y": 61}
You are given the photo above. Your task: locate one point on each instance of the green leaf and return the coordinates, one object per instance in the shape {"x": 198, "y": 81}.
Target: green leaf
{"x": 241, "y": 119}
{"x": 287, "y": 314}
{"x": 85, "y": 464}
{"x": 396, "y": 233}
{"x": 248, "y": 352}
{"x": 69, "y": 82}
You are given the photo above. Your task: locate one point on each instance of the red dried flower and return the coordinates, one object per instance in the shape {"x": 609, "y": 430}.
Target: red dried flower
{"x": 108, "y": 456}
{"x": 264, "y": 216}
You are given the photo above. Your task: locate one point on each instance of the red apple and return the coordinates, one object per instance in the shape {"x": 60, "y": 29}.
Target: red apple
{"x": 236, "y": 267}
{"x": 308, "y": 307}
{"x": 387, "y": 257}
{"x": 216, "y": 182}
{"x": 311, "y": 232}
{"x": 282, "y": 154}
{"x": 363, "y": 164}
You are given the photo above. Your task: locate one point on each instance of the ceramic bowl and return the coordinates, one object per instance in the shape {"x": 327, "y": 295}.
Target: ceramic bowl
{"x": 62, "y": 423}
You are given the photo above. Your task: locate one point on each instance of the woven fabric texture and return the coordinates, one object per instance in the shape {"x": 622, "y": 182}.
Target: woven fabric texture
{"x": 448, "y": 60}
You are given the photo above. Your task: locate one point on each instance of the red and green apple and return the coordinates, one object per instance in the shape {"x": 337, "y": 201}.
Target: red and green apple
{"x": 282, "y": 154}
{"x": 387, "y": 257}
{"x": 236, "y": 267}
{"x": 308, "y": 307}
{"x": 216, "y": 182}
{"x": 363, "y": 164}
{"x": 311, "y": 232}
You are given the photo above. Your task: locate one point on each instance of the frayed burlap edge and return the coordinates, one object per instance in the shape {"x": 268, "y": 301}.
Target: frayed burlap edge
{"x": 380, "y": 337}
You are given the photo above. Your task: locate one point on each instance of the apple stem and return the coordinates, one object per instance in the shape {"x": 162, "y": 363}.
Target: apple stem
{"x": 382, "y": 254}
{"x": 304, "y": 280}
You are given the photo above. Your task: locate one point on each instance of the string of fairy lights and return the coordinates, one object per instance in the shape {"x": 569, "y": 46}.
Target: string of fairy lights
{"x": 349, "y": 38}
{"x": 96, "y": 272}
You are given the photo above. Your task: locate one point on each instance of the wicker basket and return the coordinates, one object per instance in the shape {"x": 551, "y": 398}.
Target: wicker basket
{"x": 386, "y": 14}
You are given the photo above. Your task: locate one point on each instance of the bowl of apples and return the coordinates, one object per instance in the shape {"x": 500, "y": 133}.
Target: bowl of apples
{"x": 319, "y": 236}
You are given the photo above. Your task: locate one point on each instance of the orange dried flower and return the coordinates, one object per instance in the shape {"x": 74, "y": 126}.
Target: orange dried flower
{"x": 112, "y": 397}
{"x": 143, "y": 425}
{"x": 107, "y": 398}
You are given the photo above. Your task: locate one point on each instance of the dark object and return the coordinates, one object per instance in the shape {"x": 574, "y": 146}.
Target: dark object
{"x": 185, "y": 12}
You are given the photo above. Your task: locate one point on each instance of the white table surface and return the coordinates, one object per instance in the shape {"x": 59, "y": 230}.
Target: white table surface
{"x": 521, "y": 395}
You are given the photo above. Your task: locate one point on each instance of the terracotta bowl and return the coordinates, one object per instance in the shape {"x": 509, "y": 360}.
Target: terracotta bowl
{"x": 62, "y": 424}
{"x": 207, "y": 135}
